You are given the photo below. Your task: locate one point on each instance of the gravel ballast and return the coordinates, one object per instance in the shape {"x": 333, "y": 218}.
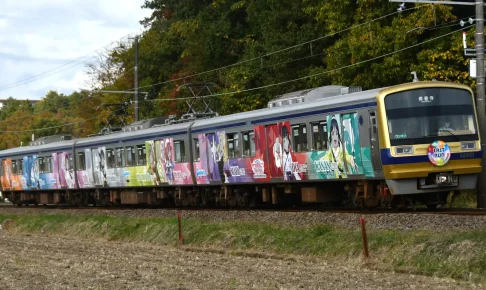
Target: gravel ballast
{"x": 381, "y": 221}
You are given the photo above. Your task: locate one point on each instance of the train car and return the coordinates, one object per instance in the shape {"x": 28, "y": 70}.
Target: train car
{"x": 429, "y": 140}
{"x": 413, "y": 142}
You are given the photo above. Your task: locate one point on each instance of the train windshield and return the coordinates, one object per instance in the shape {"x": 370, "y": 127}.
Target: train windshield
{"x": 422, "y": 116}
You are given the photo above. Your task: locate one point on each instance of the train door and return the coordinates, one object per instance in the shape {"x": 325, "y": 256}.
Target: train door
{"x": 215, "y": 156}
{"x": 99, "y": 165}
{"x": 351, "y": 145}
{"x": 275, "y": 149}
{"x": 375, "y": 148}
{"x": 200, "y": 159}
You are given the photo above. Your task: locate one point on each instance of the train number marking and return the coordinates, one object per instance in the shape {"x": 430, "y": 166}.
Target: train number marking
{"x": 466, "y": 155}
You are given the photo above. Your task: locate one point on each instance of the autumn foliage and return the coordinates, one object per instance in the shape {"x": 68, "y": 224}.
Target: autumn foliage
{"x": 253, "y": 51}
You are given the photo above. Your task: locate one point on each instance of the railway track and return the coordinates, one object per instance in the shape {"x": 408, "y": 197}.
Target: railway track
{"x": 441, "y": 211}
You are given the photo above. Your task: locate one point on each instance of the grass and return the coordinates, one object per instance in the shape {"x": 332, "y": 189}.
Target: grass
{"x": 460, "y": 255}
{"x": 466, "y": 199}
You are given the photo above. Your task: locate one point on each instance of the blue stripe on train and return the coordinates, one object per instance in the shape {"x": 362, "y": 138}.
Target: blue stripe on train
{"x": 388, "y": 159}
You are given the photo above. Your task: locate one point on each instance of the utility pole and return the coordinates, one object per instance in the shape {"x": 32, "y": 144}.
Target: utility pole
{"x": 480, "y": 103}
{"x": 136, "y": 77}
{"x": 481, "y": 191}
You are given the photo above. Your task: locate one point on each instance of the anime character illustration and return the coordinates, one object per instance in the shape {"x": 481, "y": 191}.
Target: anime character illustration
{"x": 337, "y": 152}
{"x": 213, "y": 162}
{"x": 214, "y": 150}
{"x": 222, "y": 157}
{"x": 25, "y": 172}
{"x": 277, "y": 152}
{"x": 7, "y": 168}
{"x": 100, "y": 168}
{"x": 152, "y": 167}
{"x": 161, "y": 163}
{"x": 287, "y": 161}
{"x": 167, "y": 159}
{"x": 34, "y": 174}
{"x": 87, "y": 176}
{"x": 68, "y": 172}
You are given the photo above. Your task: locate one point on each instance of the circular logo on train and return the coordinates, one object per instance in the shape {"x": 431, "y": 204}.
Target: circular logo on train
{"x": 439, "y": 153}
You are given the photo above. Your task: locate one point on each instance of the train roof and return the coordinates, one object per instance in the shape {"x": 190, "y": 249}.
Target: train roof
{"x": 259, "y": 116}
{"x": 181, "y": 128}
{"x": 153, "y": 132}
{"x": 341, "y": 101}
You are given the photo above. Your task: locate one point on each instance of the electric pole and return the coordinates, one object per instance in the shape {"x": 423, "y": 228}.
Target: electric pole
{"x": 480, "y": 103}
{"x": 136, "y": 77}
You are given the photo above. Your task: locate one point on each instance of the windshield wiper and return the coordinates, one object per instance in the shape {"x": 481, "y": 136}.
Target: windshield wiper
{"x": 419, "y": 139}
{"x": 452, "y": 134}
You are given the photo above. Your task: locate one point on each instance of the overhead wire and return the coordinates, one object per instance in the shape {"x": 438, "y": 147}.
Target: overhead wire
{"x": 438, "y": 26}
{"x": 57, "y": 126}
{"x": 313, "y": 75}
{"x": 279, "y": 51}
{"x": 270, "y": 85}
{"x": 55, "y": 70}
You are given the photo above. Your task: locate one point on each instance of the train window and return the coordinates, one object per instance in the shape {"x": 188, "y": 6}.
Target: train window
{"x": 110, "y": 158}
{"x": 14, "y": 167}
{"x": 42, "y": 165}
{"x": 120, "y": 157}
{"x": 179, "y": 151}
{"x": 81, "y": 161}
{"x": 299, "y": 138}
{"x": 49, "y": 164}
{"x": 71, "y": 162}
{"x": 373, "y": 124}
{"x": 319, "y": 135}
{"x": 197, "y": 156}
{"x": 130, "y": 156}
{"x": 141, "y": 155}
{"x": 233, "y": 144}
{"x": 21, "y": 166}
{"x": 249, "y": 144}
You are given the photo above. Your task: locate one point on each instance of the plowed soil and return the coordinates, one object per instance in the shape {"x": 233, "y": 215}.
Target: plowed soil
{"x": 53, "y": 262}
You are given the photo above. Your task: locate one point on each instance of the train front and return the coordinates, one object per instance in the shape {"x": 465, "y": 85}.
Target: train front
{"x": 429, "y": 140}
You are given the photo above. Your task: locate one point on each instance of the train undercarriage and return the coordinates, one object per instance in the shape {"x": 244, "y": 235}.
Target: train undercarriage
{"x": 359, "y": 194}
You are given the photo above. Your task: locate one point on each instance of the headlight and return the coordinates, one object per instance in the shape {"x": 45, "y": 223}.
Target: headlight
{"x": 404, "y": 150}
{"x": 468, "y": 145}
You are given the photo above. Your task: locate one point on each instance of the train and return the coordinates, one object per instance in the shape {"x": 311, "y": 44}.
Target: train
{"x": 407, "y": 144}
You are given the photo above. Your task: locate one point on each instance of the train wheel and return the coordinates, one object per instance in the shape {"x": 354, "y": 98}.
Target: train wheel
{"x": 185, "y": 202}
{"x": 243, "y": 200}
{"x": 204, "y": 199}
{"x": 233, "y": 200}
{"x": 352, "y": 202}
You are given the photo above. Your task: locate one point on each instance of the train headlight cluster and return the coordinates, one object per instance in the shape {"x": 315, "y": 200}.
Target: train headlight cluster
{"x": 404, "y": 150}
{"x": 468, "y": 145}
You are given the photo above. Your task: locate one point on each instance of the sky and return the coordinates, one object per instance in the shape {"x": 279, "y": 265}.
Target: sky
{"x": 45, "y": 45}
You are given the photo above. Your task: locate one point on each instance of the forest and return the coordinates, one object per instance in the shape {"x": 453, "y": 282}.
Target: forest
{"x": 249, "y": 52}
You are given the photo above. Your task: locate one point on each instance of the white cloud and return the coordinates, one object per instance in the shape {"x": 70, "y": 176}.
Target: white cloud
{"x": 37, "y": 36}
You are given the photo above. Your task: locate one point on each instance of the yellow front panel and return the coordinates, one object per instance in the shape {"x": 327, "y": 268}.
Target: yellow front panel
{"x": 422, "y": 169}
{"x": 413, "y": 170}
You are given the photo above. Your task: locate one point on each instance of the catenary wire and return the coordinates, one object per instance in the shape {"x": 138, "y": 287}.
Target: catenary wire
{"x": 58, "y": 126}
{"x": 54, "y": 70}
{"x": 262, "y": 87}
{"x": 313, "y": 75}
{"x": 278, "y": 51}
